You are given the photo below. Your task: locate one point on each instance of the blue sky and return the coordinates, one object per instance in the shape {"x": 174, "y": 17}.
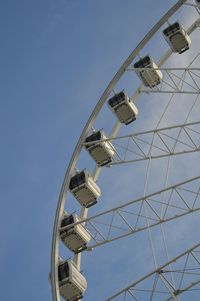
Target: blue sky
{"x": 56, "y": 58}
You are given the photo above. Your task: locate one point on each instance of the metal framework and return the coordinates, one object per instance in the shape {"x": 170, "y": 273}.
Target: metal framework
{"x": 155, "y": 144}
{"x": 167, "y": 282}
{"x": 154, "y": 209}
{"x": 173, "y": 78}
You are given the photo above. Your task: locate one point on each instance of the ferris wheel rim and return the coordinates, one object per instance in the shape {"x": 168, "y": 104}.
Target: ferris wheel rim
{"x": 121, "y": 208}
{"x": 71, "y": 166}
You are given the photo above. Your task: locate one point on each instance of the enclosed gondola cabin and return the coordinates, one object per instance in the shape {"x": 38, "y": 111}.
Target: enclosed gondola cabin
{"x": 177, "y": 38}
{"x": 123, "y": 108}
{"x": 101, "y": 151}
{"x": 148, "y": 71}
{"x": 75, "y": 237}
{"x": 84, "y": 189}
{"x": 72, "y": 283}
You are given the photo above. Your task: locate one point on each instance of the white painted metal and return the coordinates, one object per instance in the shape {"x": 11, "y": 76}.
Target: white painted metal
{"x": 128, "y": 148}
{"x": 122, "y": 106}
{"x": 148, "y": 71}
{"x": 70, "y": 170}
{"x": 137, "y": 223}
{"x": 76, "y": 237}
{"x": 100, "y": 150}
{"x": 186, "y": 285}
{"x": 84, "y": 188}
{"x": 187, "y": 77}
{"x": 177, "y": 37}
{"x": 71, "y": 282}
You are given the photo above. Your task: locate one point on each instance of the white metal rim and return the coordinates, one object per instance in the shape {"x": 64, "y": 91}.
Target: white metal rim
{"x": 72, "y": 164}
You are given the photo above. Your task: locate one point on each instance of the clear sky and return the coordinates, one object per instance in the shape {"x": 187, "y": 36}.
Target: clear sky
{"x": 56, "y": 58}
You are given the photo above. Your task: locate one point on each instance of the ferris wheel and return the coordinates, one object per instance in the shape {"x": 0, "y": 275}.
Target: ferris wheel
{"x": 145, "y": 209}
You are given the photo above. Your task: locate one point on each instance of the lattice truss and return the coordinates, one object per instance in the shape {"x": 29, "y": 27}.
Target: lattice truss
{"x": 177, "y": 80}
{"x": 146, "y": 212}
{"x": 183, "y": 80}
{"x": 181, "y": 274}
{"x": 157, "y": 143}
{"x": 168, "y": 282}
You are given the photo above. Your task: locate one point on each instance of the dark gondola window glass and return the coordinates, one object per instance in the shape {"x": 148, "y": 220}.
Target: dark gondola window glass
{"x": 67, "y": 221}
{"x": 171, "y": 29}
{"x": 94, "y": 137}
{"x": 117, "y": 99}
{"x": 63, "y": 271}
{"x": 145, "y": 61}
{"x": 77, "y": 180}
